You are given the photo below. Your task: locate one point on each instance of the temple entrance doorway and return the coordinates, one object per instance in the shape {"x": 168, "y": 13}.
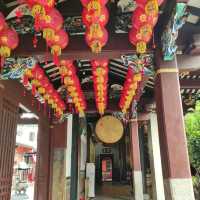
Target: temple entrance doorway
{"x": 112, "y": 169}
{"x": 106, "y": 167}
{"x": 24, "y": 169}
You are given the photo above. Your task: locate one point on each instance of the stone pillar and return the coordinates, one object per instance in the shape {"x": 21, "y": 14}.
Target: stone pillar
{"x": 82, "y": 157}
{"x": 175, "y": 162}
{"x": 155, "y": 158}
{"x": 74, "y": 158}
{"x": 135, "y": 157}
{"x": 59, "y": 145}
{"x": 68, "y": 155}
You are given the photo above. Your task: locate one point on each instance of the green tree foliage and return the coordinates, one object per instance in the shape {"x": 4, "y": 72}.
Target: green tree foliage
{"x": 192, "y": 122}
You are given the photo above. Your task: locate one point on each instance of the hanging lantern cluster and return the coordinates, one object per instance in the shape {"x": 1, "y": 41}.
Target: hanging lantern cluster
{"x": 49, "y": 20}
{"x": 95, "y": 16}
{"x": 41, "y": 85}
{"x": 131, "y": 86}
{"x": 71, "y": 81}
{"x": 39, "y": 9}
{"x": 8, "y": 39}
{"x": 100, "y": 79}
{"x": 144, "y": 19}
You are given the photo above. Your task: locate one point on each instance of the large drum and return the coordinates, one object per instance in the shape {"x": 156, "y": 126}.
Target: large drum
{"x": 109, "y": 129}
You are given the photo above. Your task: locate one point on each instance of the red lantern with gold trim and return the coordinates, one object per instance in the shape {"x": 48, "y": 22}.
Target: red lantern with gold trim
{"x": 41, "y": 4}
{"x": 48, "y": 4}
{"x": 8, "y": 41}
{"x": 151, "y": 8}
{"x": 51, "y": 23}
{"x": 100, "y": 79}
{"x": 141, "y": 3}
{"x": 140, "y": 18}
{"x": 38, "y": 73}
{"x": 2, "y": 22}
{"x": 94, "y": 2}
{"x": 59, "y": 42}
{"x": 92, "y": 17}
{"x": 96, "y": 38}
{"x": 134, "y": 36}
{"x": 146, "y": 32}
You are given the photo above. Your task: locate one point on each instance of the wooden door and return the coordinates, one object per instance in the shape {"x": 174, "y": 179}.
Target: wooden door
{"x": 8, "y": 129}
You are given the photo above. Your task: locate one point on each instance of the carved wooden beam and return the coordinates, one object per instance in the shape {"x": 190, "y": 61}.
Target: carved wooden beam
{"x": 190, "y": 84}
{"x": 117, "y": 45}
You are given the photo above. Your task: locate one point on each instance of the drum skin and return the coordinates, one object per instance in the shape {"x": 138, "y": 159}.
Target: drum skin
{"x": 109, "y": 129}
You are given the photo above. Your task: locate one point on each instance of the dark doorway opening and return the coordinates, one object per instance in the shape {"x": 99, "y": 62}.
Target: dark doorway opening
{"x": 106, "y": 167}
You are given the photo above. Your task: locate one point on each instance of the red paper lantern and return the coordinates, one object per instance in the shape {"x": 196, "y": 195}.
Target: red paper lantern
{"x": 97, "y": 63}
{"x": 151, "y": 8}
{"x": 49, "y": 89}
{"x": 93, "y": 17}
{"x": 37, "y": 10}
{"x": 45, "y": 82}
{"x": 38, "y": 73}
{"x": 48, "y": 4}
{"x": 134, "y": 36}
{"x": 141, "y": 3}
{"x": 139, "y": 17}
{"x": 73, "y": 86}
{"x": 86, "y": 2}
{"x": 59, "y": 42}
{"x": 8, "y": 41}
{"x": 146, "y": 32}
{"x": 100, "y": 79}
{"x": 2, "y": 22}
{"x": 52, "y": 22}
{"x": 96, "y": 38}
{"x": 160, "y": 2}
{"x": 41, "y": 4}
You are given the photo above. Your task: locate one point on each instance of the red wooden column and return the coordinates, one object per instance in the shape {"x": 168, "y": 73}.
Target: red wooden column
{"x": 58, "y": 161}
{"x": 174, "y": 154}
{"x": 135, "y": 158}
{"x": 43, "y": 162}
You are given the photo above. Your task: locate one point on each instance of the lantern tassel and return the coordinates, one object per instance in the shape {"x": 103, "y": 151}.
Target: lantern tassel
{"x": 38, "y": 106}
{"x": 35, "y": 41}
{"x": 2, "y": 64}
{"x": 56, "y": 59}
{"x": 25, "y": 80}
{"x": 33, "y": 90}
{"x": 62, "y": 79}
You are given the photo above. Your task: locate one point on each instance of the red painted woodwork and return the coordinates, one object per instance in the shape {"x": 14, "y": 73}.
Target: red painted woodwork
{"x": 43, "y": 163}
{"x": 172, "y": 135}
{"x": 8, "y": 127}
{"x": 77, "y": 49}
{"x": 135, "y": 149}
{"x": 59, "y": 134}
{"x": 44, "y": 147}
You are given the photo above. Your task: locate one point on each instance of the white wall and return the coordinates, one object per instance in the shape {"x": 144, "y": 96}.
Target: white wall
{"x": 27, "y": 135}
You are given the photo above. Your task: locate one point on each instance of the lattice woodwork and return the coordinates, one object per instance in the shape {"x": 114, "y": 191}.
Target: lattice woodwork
{"x": 8, "y": 127}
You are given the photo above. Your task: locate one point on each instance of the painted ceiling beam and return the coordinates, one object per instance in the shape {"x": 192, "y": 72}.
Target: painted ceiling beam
{"x": 117, "y": 46}
{"x": 28, "y": 121}
{"x": 188, "y": 62}
{"x": 189, "y": 84}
